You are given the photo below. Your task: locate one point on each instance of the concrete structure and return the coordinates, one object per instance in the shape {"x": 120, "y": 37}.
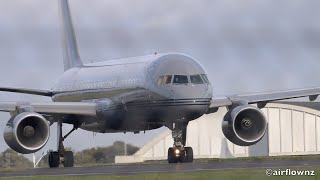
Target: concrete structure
{"x": 292, "y": 130}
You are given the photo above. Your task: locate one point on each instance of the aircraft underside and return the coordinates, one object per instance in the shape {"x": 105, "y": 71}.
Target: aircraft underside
{"x": 135, "y": 117}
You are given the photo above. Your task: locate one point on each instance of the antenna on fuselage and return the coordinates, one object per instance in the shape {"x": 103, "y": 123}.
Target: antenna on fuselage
{"x": 71, "y": 57}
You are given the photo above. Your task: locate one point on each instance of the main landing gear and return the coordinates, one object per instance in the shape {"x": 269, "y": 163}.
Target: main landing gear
{"x": 179, "y": 153}
{"x": 61, "y": 156}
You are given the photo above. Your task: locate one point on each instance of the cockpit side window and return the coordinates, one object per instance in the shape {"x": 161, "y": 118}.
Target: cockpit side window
{"x": 167, "y": 79}
{"x": 180, "y": 79}
{"x": 164, "y": 80}
{"x": 196, "y": 79}
{"x": 160, "y": 80}
{"x": 205, "y": 78}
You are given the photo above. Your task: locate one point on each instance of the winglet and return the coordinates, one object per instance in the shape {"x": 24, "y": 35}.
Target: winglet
{"x": 71, "y": 57}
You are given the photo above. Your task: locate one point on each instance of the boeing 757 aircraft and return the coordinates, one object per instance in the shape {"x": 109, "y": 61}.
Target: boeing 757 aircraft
{"x": 132, "y": 95}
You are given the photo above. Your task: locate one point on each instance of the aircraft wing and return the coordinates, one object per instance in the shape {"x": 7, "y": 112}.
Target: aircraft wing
{"x": 50, "y": 108}
{"x": 262, "y": 98}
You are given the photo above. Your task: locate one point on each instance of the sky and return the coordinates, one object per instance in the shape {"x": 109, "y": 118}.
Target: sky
{"x": 245, "y": 46}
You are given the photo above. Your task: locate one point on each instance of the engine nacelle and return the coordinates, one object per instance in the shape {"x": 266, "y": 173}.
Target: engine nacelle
{"x": 27, "y": 132}
{"x": 244, "y": 125}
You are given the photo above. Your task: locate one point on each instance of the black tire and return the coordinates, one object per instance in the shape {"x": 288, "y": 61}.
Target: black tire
{"x": 68, "y": 159}
{"x": 171, "y": 156}
{"x": 189, "y": 154}
{"x": 183, "y": 157}
{"x": 54, "y": 159}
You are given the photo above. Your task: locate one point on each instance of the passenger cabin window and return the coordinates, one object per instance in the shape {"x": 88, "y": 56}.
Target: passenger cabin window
{"x": 196, "y": 79}
{"x": 205, "y": 78}
{"x": 180, "y": 79}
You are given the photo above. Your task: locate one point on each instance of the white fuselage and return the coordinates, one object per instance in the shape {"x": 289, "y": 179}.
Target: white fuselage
{"x": 131, "y": 86}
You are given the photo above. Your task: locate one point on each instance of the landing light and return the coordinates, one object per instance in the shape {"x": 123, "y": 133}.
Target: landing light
{"x": 177, "y": 151}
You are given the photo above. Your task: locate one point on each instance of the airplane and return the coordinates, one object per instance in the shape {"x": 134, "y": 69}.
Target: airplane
{"x": 132, "y": 95}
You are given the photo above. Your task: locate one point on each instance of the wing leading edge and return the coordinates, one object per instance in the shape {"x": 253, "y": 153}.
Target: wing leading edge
{"x": 73, "y": 108}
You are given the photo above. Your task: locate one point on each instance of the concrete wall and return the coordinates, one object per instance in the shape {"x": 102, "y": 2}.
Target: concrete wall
{"x": 292, "y": 130}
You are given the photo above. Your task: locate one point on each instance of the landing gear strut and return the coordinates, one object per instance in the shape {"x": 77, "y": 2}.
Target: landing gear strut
{"x": 179, "y": 153}
{"x": 61, "y": 156}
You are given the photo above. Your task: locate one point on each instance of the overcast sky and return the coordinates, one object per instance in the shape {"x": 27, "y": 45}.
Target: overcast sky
{"x": 245, "y": 46}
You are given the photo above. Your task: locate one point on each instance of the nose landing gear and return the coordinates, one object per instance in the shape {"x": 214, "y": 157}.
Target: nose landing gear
{"x": 179, "y": 153}
{"x": 182, "y": 155}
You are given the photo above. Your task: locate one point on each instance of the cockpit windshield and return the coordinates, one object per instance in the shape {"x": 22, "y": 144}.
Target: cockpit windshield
{"x": 183, "y": 79}
{"x": 205, "y": 78}
{"x": 180, "y": 79}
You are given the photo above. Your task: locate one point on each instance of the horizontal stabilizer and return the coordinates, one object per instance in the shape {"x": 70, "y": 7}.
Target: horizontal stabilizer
{"x": 27, "y": 91}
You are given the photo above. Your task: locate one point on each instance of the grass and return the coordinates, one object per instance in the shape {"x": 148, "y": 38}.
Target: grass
{"x": 264, "y": 158}
{"x": 220, "y": 174}
{"x": 202, "y": 175}
{"x": 12, "y": 169}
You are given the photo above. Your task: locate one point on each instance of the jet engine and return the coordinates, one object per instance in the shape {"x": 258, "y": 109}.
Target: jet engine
{"x": 244, "y": 125}
{"x": 27, "y": 132}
